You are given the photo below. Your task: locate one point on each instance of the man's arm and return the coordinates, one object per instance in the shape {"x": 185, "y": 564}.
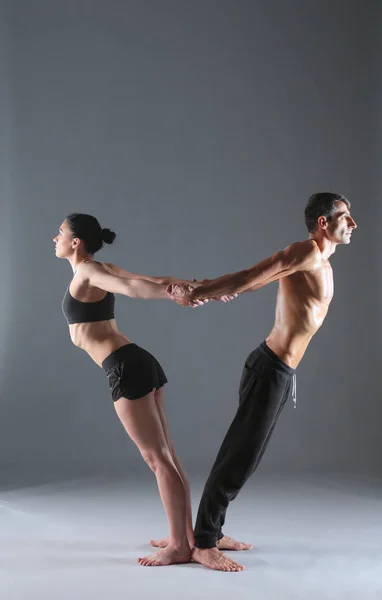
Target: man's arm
{"x": 296, "y": 257}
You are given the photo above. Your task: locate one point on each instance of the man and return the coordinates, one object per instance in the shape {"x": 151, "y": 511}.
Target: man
{"x": 305, "y": 290}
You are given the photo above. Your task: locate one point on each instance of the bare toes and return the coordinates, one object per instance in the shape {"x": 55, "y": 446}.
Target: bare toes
{"x": 214, "y": 559}
{"x": 167, "y": 556}
{"x": 227, "y": 543}
{"x": 159, "y": 543}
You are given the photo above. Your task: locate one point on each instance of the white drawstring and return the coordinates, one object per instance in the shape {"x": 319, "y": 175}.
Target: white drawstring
{"x": 294, "y": 390}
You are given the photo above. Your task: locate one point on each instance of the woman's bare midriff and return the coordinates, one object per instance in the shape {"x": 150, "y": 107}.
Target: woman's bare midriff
{"x": 98, "y": 339}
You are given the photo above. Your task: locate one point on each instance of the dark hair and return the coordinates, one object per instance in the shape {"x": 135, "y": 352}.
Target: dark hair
{"x": 89, "y": 231}
{"x": 322, "y": 204}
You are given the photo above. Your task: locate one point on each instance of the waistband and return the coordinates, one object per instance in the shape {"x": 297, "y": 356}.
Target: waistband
{"x": 273, "y": 358}
{"x": 279, "y": 364}
{"x": 116, "y": 356}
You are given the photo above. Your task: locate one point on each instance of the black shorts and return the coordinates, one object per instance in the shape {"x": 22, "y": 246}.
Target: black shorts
{"x": 132, "y": 372}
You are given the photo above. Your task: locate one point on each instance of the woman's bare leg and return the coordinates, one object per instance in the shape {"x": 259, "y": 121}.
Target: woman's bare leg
{"x": 141, "y": 420}
{"x": 190, "y": 532}
{"x": 226, "y": 543}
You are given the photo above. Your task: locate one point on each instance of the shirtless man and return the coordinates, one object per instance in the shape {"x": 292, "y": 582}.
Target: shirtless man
{"x": 305, "y": 290}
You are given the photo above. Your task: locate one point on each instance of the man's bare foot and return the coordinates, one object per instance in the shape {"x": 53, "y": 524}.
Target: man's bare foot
{"x": 167, "y": 556}
{"x": 215, "y": 559}
{"x": 163, "y": 543}
{"x": 227, "y": 543}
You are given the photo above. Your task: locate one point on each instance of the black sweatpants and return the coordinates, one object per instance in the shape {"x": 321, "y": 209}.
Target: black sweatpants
{"x": 264, "y": 388}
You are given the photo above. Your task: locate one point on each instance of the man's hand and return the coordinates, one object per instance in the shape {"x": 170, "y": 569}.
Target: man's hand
{"x": 222, "y": 298}
{"x": 226, "y": 298}
{"x": 180, "y": 293}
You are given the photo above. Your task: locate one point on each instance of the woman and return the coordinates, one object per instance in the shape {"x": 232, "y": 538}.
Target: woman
{"x": 136, "y": 379}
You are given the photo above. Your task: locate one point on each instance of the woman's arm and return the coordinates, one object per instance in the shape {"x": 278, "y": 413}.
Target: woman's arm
{"x": 115, "y": 270}
{"x": 98, "y": 276}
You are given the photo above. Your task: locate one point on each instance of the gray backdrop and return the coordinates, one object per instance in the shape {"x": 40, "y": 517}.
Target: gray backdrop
{"x": 197, "y": 131}
{"x": 378, "y": 177}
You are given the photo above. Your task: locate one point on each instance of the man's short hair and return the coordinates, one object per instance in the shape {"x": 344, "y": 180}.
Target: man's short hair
{"x": 322, "y": 204}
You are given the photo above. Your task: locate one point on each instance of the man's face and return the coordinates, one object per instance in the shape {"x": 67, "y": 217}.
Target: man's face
{"x": 342, "y": 224}
{"x": 64, "y": 241}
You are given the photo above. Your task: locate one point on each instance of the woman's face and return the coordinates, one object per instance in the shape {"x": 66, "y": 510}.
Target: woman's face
{"x": 64, "y": 241}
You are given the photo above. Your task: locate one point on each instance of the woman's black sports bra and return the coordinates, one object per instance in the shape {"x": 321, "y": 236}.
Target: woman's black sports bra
{"x": 76, "y": 311}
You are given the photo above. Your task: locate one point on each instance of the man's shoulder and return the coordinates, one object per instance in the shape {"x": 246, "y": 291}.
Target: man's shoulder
{"x": 303, "y": 248}
{"x": 305, "y": 253}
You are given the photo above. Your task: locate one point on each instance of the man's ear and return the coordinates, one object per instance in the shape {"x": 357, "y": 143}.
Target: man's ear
{"x": 322, "y": 222}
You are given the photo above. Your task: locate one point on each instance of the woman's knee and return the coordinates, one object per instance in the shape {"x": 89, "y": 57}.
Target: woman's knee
{"x": 158, "y": 459}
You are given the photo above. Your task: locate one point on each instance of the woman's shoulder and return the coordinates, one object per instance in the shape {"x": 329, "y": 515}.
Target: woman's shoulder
{"x": 113, "y": 269}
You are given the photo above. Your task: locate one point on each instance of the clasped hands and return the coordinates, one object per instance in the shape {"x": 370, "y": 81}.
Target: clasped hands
{"x": 181, "y": 294}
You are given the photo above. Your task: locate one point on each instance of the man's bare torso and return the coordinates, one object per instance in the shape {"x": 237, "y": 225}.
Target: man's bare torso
{"x": 303, "y": 300}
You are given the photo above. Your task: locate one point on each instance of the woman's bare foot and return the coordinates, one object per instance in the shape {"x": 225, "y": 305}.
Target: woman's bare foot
{"x": 227, "y": 543}
{"x": 215, "y": 559}
{"x": 170, "y": 555}
{"x": 163, "y": 543}
{"x": 160, "y": 543}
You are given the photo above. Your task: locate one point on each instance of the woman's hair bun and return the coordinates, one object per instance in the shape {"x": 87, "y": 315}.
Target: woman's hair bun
{"x": 108, "y": 236}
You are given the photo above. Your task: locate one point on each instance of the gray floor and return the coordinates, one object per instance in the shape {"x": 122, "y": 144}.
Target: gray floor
{"x": 315, "y": 537}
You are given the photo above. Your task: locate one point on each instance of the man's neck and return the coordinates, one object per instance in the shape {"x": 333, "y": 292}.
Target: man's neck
{"x": 326, "y": 247}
